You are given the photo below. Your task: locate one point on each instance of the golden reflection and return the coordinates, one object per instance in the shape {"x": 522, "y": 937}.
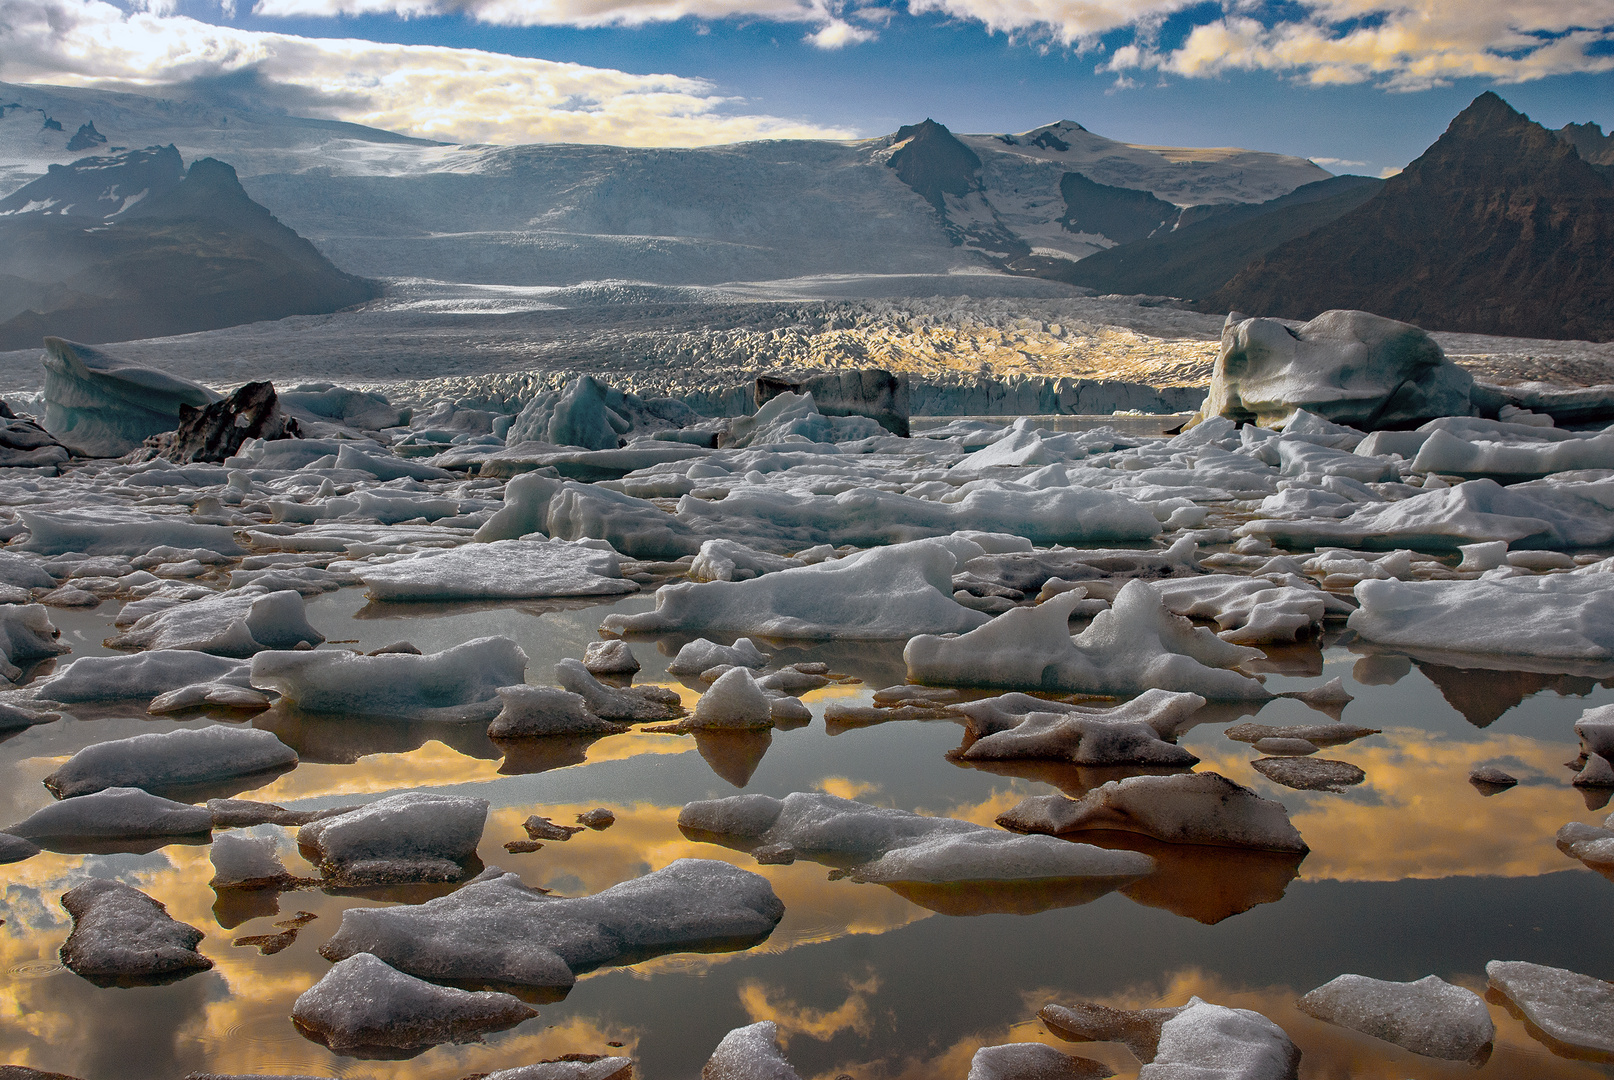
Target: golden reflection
{"x": 763, "y": 1002}
{"x": 1417, "y": 816}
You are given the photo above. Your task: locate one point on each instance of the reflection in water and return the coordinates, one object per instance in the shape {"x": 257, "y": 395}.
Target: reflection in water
{"x": 1483, "y": 696}
{"x": 1411, "y": 873}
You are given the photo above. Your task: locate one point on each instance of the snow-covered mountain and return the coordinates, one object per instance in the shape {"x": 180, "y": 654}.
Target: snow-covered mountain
{"x": 387, "y": 206}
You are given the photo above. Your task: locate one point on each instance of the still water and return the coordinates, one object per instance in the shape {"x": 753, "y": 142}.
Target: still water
{"x": 1413, "y": 872}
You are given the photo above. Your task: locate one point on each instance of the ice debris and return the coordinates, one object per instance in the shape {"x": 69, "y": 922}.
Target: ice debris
{"x": 115, "y": 531}
{"x": 1188, "y": 808}
{"x": 26, "y": 635}
{"x": 889, "y": 845}
{"x": 15, "y": 849}
{"x": 141, "y": 676}
{"x": 164, "y": 761}
{"x": 1033, "y": 1061}
{"x": 1571, "y": 1011}
{"x": 1309, "y": 774}
{"x": 414, "y": 836}
{"x": 570, "y": 1067}
{"x": 1135, "y": 646}
{"x": 1134, "y": 733}
{"x": 885, "y": 593}
{"x": 612, "y": 657}
{"x": 465, "y": 677}
{"x": 120, "y": 933}
{"x": 246, "y": 862}
{"x": 113, "y": 814}
{"x": 750, "y": 1053}
{"x": 1429, "y": 1017}
{"x": 363, "y": 1007}
{"x": 1563, "y": 616}
{"x": 621, "y": 704}
{"x": 700, "y": 655}
{"x": 501, "y": 570}
{"x": 238, "y": 623}
{"x": 546, "y": 710}
{"x": 497, "y": 931}
{"x": 1198, "y": 1040}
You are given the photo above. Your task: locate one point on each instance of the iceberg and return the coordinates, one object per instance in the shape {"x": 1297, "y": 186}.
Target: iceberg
{"x": 496, "y": 931}
{"x": 238, "y": 623}
{"x": 121, "y": 934}
{"x": 113, "y": 814}
{"x": 1429, "y": 1017}
{"x": 546, "y": 710}
{"x": 167, "y": 760}
{"x": 1557, "y": 616}
{"x": 1130, "y": 734}
{"x": 246, "y": 862}
{"x": 394, "y": 684}
{"x": 99, "y": 406}
{"x": 140, "y": 677}
{"x": 501, "y": 570}
{"x": 1571, "y": 1011}
{"x": 415, "y": 836}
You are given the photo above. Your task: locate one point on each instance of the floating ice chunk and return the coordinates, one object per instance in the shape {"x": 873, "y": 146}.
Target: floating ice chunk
{"x": 605, "y": 1068}
{"x": 16, "y": 718}
{"x": 1489, "y": 776}
{"x": 1429, "y": 1017}
{"x": 1129, "y": 734}
{"x": 1282, "y": 747}
{"x": 1213, "y": 1042}
{"x": 894, "y": 845}
{"x": 1190, "y": 808}
{"x": 1087, "y": 1021}
{"x": 415, "y": 836}
{"x": 237, "y": 623}
{"x": 1163, "y": 710}
{"x": 392, "y": 684}
{"x": 496, "y": 930}
{"x": 635, "y": 527}
{"x": 729, "y": 560}
{"x": 790, "y": 417}
{"x": 525, "y": 510}
{"x": 1588, "y": 843}
{"x": 624, "y": 704}
{"x": 143, "y": 675}
{"x": 546, "y": 710}
{"x": 1573, "y": 1011}
{"x": 733, "y": 702}
{"x": 1596, "y": 730}
{"x": 1444, "y": 452}
{"x": 171, "y": 759}
{"x": 115, "y": 813}
{"x": 700, "y": 655}
{"x": 1033, "y": 1061}
{"x": 1134, "y": 646}
{"x": 884, "y": 593}
{"x": 121, "y": 933}
{"x": 23, "y": 572}
{"x": 1304, "y": 458}
{"x": 15, "y": 849}
{"x": 1020, "y": 448}
{"x": 99, "y": 406}
{"x": 1309, "y": 774}
{"x": 750, "y": 1053}
{"x": 364, "y": 1006}
{"x": 246, "y": 862}
{"x": 26, "y": 635}
{"x": 386, "y": 466}
{"x": 502, "y": 570}
{"x": 1248, "y": 610}
{"x": 119, "y": 533}
{"x": 609, "y": 658}
{"x": 1546, "y": 513}
{"x": 867, "y": 516}
{"x": 1596, "y": 772}
{"x": 219, "y": 694}
{"x": 1346, "y": 366}
{"x": 1562, "y": 616}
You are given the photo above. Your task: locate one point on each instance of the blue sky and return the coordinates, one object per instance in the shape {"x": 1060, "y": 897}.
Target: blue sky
{"x": 1369, "y": 83}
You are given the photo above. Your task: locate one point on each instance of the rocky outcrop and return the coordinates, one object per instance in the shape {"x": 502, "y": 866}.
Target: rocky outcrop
{"x": 1349, "y": 367}
{"x": 1499, "y": 228}
{"x": 26, "y": 445}
{"x": 215, "y": 432}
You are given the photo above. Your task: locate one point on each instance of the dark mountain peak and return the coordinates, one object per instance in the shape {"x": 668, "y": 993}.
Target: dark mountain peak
{"x": 1589, "y": 139}
{"x": 1491, "y": 146}
{"x": 211, "y": 190}
{"x": 86, "y": 137}
{"x": 99, "y": 187}
{"x": 934, "y": 163}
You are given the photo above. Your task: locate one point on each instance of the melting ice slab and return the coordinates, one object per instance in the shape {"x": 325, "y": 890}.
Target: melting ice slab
{"x": 237, "y": 623}
{"x": 392, "y": 684}
{"x": 415, "y": 836}
{"x": 897, "y": 846}
{"x": 1561, "y": 616}
{"x": 1429, "y": 1017}
{"x": 365, "y": 1008}
{"x": 502, "y": 570}
{"x": 1198, "y": 1041}
{"x": 113, "y": 814}
{"x": 171, "y": 759}
{"x": 750, "y": 1053}
{"x": 120, "y": 933}
{"x": 1135, "y": 646}
{"x": 885, "y": 593}
{"x": 1572, "y": 1011}
{"x": 496, "y": 931}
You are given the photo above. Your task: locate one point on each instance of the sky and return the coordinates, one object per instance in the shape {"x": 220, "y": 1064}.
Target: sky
{"x": 1356, "y": 85}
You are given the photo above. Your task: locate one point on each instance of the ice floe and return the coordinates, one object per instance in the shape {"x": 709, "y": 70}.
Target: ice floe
{"x": 501, "y": 570}
{"x": 165, "y": 761}
{"x": 141, "y": 676}
{"x": 1134, "y": 733}
{"x": 750, "y": 1053}
{"x": 26, "y": 635}
{"x": 1562, "y": 616}
{"x": 415, "y": 836}
{"x": 496, "y": 931}
{"x": 246, "y": 862}
{"x": 1200, "y": 1040}
{"x": 1190, "y": 808}
{"x": 122, "y": 935}
{"x": 112, "y": 814}
{"x": 1135, "y": 646}
{"x": 1429, "y": 1017}
{"x": 363, "y": 1007}
{"x": 546, "y": 710}
{"x": 1571, "y": 1011}
{"x": 466, "y": 677}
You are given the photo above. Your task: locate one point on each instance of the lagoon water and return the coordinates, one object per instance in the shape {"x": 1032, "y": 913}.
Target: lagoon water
{"x": 1413, "y": 872}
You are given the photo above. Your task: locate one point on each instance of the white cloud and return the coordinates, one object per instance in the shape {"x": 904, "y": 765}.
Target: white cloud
{"x": 1330, "y": 162}
{"x": 1402, "y": 44}
{"x": 838, "y": 33}
{"x": 444, "y": 93}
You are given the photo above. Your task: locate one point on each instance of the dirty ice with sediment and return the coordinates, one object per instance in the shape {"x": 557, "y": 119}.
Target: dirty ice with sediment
{"x": 517, "y": 714}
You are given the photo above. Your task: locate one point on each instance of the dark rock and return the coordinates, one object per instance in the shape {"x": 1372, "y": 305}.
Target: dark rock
{"x": 215, "y": 432}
